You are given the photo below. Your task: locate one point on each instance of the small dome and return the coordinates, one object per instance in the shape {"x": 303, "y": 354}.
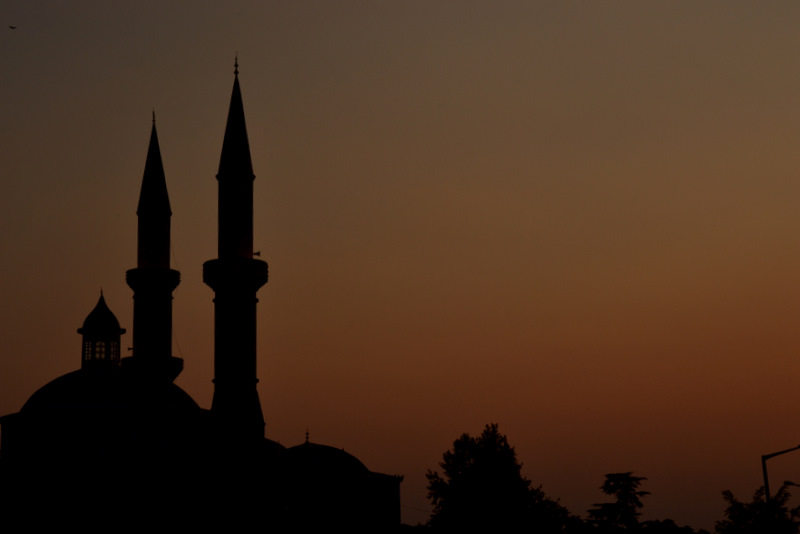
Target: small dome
{"x": 321, "y": 459}
{"x": 101, "y": 321}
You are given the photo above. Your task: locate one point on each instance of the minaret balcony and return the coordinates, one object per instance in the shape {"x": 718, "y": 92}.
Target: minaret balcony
{"x": 235, "y": 274}
{"x": 153, "y": 279}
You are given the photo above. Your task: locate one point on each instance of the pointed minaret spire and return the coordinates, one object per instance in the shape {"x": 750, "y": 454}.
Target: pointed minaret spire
{"x": 153, "y": 281}
{"x": 235, "y": 177}
{"x": 235, "y": 277}
{"x": 154, "y": 210}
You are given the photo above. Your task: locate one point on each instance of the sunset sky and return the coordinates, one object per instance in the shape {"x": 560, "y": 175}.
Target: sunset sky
{"x": 575, "y": 219}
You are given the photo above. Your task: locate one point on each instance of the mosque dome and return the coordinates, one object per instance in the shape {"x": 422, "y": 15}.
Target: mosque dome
{"x": 103, "y": 389}
{"x": 326, "y": 460}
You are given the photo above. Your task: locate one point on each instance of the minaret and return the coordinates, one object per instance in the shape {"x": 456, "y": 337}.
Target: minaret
{"x": 235, "y": 276}
{"x": 152, "y": 280}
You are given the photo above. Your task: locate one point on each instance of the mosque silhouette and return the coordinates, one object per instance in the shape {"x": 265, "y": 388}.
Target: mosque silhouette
{"x": 117, "y": 443}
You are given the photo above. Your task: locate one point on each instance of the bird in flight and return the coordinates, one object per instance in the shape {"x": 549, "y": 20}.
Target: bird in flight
{"x": 13, "y": 27}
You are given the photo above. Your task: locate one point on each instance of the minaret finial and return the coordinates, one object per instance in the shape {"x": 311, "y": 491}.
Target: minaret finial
{"x": 306, "y": 435}
{"x": 154, "y": 116}
{"x": 236, "y": 64}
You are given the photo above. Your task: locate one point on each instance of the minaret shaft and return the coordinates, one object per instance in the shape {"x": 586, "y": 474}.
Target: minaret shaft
{"x": 152, "y": 312}
{"x": 153, "y": 242}
{"x": 235, "y": 221}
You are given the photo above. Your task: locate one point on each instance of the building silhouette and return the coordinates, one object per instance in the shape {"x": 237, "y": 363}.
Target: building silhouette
{"x": 117, "y": 443}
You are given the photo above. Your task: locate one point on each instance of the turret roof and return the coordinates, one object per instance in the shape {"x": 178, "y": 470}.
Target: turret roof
{"x": 101, "y": 321}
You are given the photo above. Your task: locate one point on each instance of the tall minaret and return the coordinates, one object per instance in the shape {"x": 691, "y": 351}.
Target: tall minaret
{"x": 152, "y": 280}
{"x": 235, "y": 278}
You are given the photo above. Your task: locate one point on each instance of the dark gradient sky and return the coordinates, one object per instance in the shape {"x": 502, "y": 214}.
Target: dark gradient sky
{"x": 578, "y": 220}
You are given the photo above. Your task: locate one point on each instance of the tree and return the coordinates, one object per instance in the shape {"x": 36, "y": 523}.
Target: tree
{"x": 623, "y": 513}
{"x": 482, "y": 489}
{"x": 759, "y": 516}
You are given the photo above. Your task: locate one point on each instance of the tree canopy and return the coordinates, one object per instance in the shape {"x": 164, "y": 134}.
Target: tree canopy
{"x": 481, "y": 489}
{"x": 759, "y": 516}
{"x": 624, "y": 512}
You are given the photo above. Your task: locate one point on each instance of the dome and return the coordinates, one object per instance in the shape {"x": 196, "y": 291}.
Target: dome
{"x": 101, "y": 321}
{"x": 107, "y": 390}
{"x": 324, "y": 459}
